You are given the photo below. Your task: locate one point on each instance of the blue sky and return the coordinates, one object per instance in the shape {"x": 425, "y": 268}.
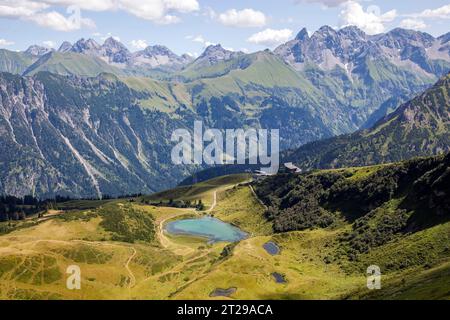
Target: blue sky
{"x": 190, "y": 25}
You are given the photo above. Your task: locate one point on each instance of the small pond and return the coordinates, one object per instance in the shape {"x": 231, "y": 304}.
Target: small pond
{"x": 279, "y": 278}
{"x": 271, "y": 248}
{"x": 218, "y": 292}
{"x": 210, "y": 228}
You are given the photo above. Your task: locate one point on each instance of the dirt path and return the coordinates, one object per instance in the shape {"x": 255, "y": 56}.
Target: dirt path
{"x": 214, "y": 202}
{"x": 256, "y": 197}
{"x": 127, "y": 266}
{"x": 50, "y": 214}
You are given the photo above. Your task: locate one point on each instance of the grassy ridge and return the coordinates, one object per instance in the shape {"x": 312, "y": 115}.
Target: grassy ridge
{"x": 14, "y": 62}
{"x": 200, "y": 191}
{"x": 70, "y": 63}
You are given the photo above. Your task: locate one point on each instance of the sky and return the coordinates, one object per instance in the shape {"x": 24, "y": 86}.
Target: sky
{"x": 189, "y": 26}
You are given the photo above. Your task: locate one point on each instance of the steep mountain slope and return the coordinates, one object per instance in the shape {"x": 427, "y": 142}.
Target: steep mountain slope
{"x": 81, "y": 137}
{"x": 419, "y": 127}
{"x": 263, "y": 92}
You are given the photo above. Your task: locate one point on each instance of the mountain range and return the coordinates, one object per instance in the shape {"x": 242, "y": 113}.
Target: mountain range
{"x": 90, "y": 119}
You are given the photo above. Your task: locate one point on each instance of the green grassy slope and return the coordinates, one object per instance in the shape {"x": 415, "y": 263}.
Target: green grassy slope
{"x": 14, "y": 62}
{"x": 200, "y": 191}
{"x": 71, "y": 63}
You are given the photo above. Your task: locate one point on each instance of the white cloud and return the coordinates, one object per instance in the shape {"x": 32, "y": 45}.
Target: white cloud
{"x": 5, "y": 43}
{"x": 326, "y": 3}
{"x": 200, "y": 39}
{"x": 243, "y": 18}
{"x": 105, "y": 36}
{"x": 37, "y": 13}
{"x": 57, "y": 21}
{"x": 414, "y": 24}
{"x": 143, "y": 8}
{"x": 210, "y": 13}
{"x": 168, "y": 19}
{"x": 192, "y": 54}
{"x": 44, "y": 14}
{"x": 139, "y": 44}
{"x": 18, "y": 8}
{"x": 440, "y": 13}
{"x": 271, "y": 37}
{"x": 183, "y": 5}
{"x": 49, "y": 44}
{"x": 371, "y": 21}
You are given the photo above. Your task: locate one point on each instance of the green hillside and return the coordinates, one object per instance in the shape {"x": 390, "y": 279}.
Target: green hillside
{"x": 328, "y": 226}
{"x": 14, "y": 62}
{"x": 70, "y": 63}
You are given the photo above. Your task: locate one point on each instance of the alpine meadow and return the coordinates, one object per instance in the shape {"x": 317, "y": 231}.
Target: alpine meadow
{"x": 256, "y": 160}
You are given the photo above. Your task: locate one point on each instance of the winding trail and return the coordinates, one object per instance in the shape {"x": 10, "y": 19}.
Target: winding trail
{"x": 256, "y": 197}
{"x": 214, "y": 202}
{"x": 132, "y": 277}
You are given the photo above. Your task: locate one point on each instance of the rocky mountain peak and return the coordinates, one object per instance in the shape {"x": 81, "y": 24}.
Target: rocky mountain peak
{"x": 113, "y": 44}
{"x": 214, "y": 49}
{"x": 36, "y": 50}
{"x": 302, "y": 35}
{"x": 83, "y": 45}
{"x": 216, "y": 53}
{"x": 159, "y": 50}
{"x": 352, "y": 32}
{"x": 114, "y": 51}
{"x": 445, "y": 38}
{"x": 157, "y": 56}
{"x": 65, "y": 47}
{"x": 325, "y": 31}
{"x": 399, "y": 38}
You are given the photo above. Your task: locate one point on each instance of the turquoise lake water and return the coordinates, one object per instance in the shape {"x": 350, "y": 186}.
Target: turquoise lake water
{"x": 211, "y": 228}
